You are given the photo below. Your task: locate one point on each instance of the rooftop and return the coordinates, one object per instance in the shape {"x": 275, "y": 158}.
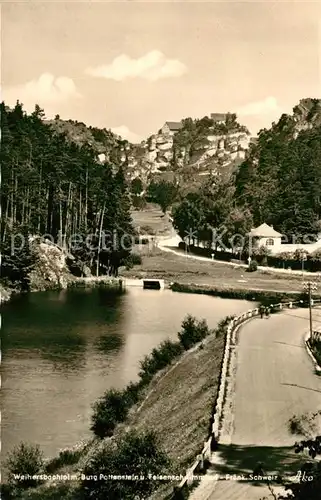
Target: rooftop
{"x": 218, "y": 117}
{"x": 174, "y": 125}
{"x": 266, "y": 231}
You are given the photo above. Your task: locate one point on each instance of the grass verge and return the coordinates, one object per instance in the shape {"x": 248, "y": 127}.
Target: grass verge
{"x": 263, "y": 296}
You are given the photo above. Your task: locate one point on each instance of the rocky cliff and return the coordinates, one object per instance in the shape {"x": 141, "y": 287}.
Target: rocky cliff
{"x": 307, "y": 115}
{"x": 201, "y": 147}
{"x": 51, "y": 269}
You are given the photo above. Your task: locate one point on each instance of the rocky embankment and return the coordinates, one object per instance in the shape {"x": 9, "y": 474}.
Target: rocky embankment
{"x": 161, "y": 154}
{"x": 51, "y": 270}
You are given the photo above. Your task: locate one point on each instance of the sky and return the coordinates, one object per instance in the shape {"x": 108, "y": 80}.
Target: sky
{"x": 130, "y": 66}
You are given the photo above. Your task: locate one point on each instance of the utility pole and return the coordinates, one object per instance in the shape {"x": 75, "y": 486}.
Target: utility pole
{"x": 309, "y": 287}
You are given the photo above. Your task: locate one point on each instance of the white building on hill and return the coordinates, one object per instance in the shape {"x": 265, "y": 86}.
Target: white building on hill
{"x": 170, "y": 128}
{"x": 267, "y": 236}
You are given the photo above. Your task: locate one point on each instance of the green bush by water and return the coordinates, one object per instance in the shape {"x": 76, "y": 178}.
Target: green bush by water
{"x": 114, "y": 406}
{"x": 108, "y": 411}
{"x": 192, "y": 332}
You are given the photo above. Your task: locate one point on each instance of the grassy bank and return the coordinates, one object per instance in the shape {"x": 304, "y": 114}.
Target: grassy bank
{"x": 176, "y": 396}
{"x": 179, "y": 407}
{"x": 263, "y": 296}
{"x": 157, "y": 263}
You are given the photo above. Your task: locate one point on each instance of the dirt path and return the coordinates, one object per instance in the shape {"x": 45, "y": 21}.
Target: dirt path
{"x": 274, "y": 381}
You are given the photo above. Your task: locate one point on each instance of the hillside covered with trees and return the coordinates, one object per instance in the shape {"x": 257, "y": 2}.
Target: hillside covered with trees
{"x": 54, "y": 182}
{"x": 53, "y": 186}
{"x": 279, "y": 183}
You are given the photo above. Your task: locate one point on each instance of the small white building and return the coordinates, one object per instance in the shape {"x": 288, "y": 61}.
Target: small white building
{"x": 265, "y": 235}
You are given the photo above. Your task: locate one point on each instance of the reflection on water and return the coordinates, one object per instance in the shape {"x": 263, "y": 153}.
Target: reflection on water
{"x": 62, "y": 350}
{"x": 107, "y": 343}
{"x": 50, "y": 324}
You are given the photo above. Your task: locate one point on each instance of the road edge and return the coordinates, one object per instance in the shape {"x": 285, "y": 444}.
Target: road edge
{"x": 310, "y": 353}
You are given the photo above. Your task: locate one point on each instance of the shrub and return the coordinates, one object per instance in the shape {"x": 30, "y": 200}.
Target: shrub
{"x": 285, "y": 256}
{"x": 159, "y": 358}
{"x": 132, "y": 393}
{"x": 133, "y": 454}
{"x": 222, "y": 325}
{"x": 145, "y": 229}
{"x": 309, "y": 484}
{"x": 252, "y": 266}
{"x": 316, "y": 256}
{"x": 192, "y": 331}
{"x": 134, "y": 259}
{"x": 65, "y": 457}
{"x": 316, "y": 349}
{"x": 140, "y": 240}
{"x": 138, "y": 202}
{"x": 25, "y": 460}
{"x": 299, "y": 254}
{"x": 108, "y": 411}
{"x": 113, "y": 407}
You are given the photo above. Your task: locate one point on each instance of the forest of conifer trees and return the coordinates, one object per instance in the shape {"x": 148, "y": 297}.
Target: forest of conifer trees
{"x": 54, "y": 187}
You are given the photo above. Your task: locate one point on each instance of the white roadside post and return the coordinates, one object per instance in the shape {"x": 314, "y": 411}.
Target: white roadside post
{"x": 304, "y": 258}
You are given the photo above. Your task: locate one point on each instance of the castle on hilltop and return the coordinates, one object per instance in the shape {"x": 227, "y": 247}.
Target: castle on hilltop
{"x": 170, "y": 128}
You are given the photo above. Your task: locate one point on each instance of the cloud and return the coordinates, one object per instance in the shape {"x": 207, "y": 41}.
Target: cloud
{"x": 46, "y": 90}
{"x": 152, "y": 66}
{"x": 268, "y": 106}
{"x": 125, "y": 133}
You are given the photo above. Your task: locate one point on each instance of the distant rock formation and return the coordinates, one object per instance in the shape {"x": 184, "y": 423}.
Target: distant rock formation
{"x": 199, "y": 147}
{"x": 215, "y": 144}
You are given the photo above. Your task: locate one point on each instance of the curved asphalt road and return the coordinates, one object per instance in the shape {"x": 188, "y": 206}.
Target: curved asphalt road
{"x": 275, "y": 380}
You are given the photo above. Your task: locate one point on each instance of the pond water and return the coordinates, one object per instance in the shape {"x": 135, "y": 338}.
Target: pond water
{"x": 62, "y": 350}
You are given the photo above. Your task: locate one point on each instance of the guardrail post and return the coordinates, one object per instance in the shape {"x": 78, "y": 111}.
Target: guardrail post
{"x": 189, "y": 477}
{"x": 201, "y": 459}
